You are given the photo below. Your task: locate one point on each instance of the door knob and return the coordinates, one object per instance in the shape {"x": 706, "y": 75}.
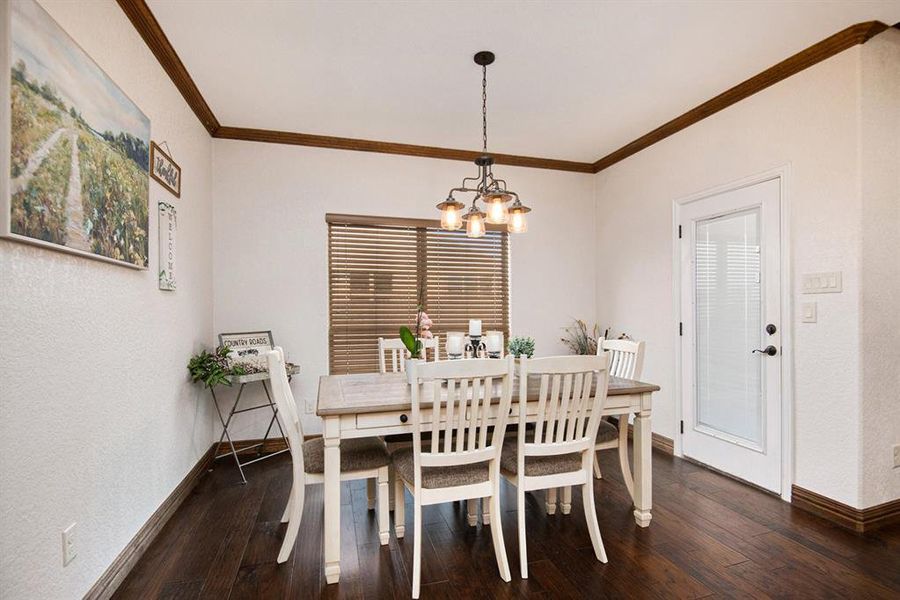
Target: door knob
{"x": 771, "y": 329}
{"x": 770, "y": 350}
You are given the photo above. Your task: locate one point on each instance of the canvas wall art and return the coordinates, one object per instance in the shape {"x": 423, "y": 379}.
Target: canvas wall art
{"x": 76, "y": 166}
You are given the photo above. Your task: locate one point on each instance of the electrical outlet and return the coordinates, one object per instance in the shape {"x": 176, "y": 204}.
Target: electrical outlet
{"x": 68, "y": 544}
{"x": 897, "y": 456}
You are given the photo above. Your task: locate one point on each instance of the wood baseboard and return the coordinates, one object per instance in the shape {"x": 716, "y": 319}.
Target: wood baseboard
{"x": 270, "y": 445}
{"x": 106, "y": 586}
{"x": 855, "y": 519}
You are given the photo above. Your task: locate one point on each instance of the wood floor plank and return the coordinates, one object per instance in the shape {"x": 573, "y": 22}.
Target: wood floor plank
{"x": 711, "y": 537}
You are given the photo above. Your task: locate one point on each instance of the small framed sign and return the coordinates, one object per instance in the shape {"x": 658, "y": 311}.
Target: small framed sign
{"x": 164, "y": 170}
{"x": 248, "y": 348}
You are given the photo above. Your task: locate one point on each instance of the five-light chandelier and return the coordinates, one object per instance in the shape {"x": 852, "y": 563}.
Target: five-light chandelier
{"x": 487, "y": 188}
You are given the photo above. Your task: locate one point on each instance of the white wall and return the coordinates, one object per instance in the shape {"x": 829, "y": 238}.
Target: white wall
{"x": 810, "y": 121}
{"x": 98, "y": 423}
{"x": 792, "y": 122}
{"x": 271, "y": 267}
{"x": 880, "y": 164}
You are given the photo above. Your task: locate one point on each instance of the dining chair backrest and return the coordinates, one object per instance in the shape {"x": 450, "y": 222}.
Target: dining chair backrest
{"x": 284, "y": 401}
{"x": 398, "y": 352}
{"x": 462, "y": 397}
{"x": 570, "y": 392}
{"x": 626, "y": 357}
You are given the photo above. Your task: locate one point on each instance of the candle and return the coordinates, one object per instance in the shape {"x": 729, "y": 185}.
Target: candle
{"x": 474, "y": 327}
{"x": 492, "y": 343}
{"x": 454, "y": 345}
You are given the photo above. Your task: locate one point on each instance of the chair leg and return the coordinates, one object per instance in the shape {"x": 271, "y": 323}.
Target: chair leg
{"x": 370, "y": 492}
{"x": 597, "y": 473}
{"x": 565, "y": 506}
{"x": 551, "y": 501}
{"x": 290, "y": 536}
{"x": 590, "y": 516}
{"x": 417, "y": 545}
{"x": 472, "y": 512}
{"x": 497, "y": 537}
{"x": 287, "y": 508}
{"x": 384, "y": 517}
{"x": 485, "y": 511}
{"x": 623, "y": 455}
{"x": 523, "y": 554}
{"x": 399, "y": 507}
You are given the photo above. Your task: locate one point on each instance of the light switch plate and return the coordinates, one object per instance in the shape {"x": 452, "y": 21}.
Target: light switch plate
{"x": 808, "y": 312}
{"x": 822, "y": 283}
{"x": 68, "y": 544}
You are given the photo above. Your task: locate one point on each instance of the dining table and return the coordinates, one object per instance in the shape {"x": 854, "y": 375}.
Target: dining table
{"x": 380, "y": 404}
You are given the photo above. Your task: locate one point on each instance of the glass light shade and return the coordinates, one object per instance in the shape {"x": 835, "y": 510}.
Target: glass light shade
{"x": 475, "y": 224}
{"x": 497, "y": 213}
{"x": 517, "y": 222}
{"x": 451, "y": 219}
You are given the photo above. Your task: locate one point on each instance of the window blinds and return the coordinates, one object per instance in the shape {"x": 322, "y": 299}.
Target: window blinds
{"x": 376, "y": 267}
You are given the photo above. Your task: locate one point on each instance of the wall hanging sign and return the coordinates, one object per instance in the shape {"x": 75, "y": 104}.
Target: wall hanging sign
{"x": 164, "y": 170}
{"x": 168, "y": 225}
{"x": 75, "y": 174}
{"x": 249, "y": 348}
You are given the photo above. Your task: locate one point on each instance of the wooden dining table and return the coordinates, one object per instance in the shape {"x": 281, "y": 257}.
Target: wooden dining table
{"x": 376, "y": 404}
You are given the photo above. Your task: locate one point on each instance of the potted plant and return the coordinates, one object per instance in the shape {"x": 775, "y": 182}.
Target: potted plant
{"x": 580, "y": 340}
{"x": 521, "y": 346}
{"x": 213, "y": 368}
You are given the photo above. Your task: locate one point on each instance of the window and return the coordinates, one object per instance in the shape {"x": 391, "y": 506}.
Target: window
{"x": 376, "y": 267}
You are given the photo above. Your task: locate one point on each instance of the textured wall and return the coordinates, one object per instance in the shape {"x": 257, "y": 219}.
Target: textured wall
{"x": 271, "y": 267}
{"x": 880, "y": 292}
{"x": 810, "y": 121}
{"x": 98, "y": 423}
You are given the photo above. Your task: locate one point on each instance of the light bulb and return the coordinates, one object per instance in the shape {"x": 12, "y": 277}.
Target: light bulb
{"x": 497, "y": 212}
{"x": 475, "y": 225}
{"x": 450, "y": 218}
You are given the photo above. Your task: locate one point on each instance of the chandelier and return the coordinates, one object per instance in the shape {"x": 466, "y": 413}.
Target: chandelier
{"x": 490, "y": 190}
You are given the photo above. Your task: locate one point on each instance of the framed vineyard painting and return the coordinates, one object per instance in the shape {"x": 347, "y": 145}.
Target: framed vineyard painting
{"x": 74, "y": 168}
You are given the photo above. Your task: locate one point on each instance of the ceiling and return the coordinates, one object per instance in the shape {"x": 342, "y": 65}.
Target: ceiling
{"x": 572, "y": 80}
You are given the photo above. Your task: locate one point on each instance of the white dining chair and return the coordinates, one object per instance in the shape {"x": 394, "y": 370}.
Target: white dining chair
{"x": 396, "y": 349}
{"x": 456, "y": 401}
{"x": 364, "y": 458}
{"x": 626, "y": 360}
{"x": 559, "y": 451}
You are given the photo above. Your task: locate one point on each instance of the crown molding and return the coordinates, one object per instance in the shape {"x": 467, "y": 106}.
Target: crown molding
{"x": 149, "y": 29}
{"x": 338, "y": 143}
{"x": 840, "y": 41}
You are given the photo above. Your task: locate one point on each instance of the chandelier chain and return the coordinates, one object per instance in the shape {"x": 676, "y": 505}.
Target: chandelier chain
{"x": 484, "y": 106}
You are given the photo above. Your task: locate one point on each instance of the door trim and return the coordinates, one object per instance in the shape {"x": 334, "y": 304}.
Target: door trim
{"x": 782, "y": 173}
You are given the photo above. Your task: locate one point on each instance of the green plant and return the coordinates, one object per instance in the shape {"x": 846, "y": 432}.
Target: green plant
{"x": 521, "y": 346}
{"x": 580, "y": 340}
{"x": 213, "y": 368}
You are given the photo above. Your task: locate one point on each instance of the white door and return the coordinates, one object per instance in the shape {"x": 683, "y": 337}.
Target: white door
{"x": 730, "y": 251}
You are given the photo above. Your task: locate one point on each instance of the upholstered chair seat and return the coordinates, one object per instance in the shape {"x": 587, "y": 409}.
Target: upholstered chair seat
{"x": 535, "y": 466}
{"x": 607, "y": 432}
{"x": 356, "y": 455}
{"x": 439, "y": 477}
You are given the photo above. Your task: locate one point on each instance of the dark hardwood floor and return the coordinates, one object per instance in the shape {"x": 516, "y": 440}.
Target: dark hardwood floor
{"x": 710, "y": 537}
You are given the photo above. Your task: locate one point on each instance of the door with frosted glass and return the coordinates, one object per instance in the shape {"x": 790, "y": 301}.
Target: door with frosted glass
{"x": 731, "y": 316}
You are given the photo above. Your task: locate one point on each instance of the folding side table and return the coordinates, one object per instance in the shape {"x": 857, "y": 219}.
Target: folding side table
{"x": 243, "y": 380}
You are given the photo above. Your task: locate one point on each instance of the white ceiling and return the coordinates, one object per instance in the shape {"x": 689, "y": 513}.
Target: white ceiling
{"x": 572, "y": 80}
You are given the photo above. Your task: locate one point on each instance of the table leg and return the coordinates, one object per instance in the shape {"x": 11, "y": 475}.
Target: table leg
{"x": 643, "y": 469}
{"x": 332, "y": 497}
{"x": 227, "y": 422}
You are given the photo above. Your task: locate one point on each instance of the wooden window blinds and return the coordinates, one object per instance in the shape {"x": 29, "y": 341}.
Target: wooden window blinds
{"x": 376, "y": 267}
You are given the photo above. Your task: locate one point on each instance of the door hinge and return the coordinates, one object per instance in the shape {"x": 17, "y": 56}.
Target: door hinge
{"x": 680, "y": 328}
{"x": 682, "y": 428}
{"x": 679, "y": 232}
